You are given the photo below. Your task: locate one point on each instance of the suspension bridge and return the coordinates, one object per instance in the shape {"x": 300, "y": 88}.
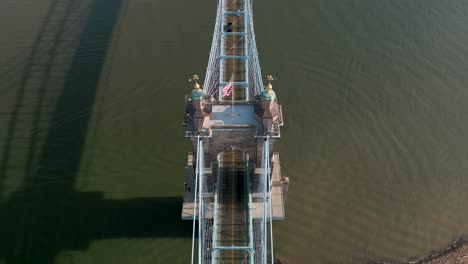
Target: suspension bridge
{"x": 233, "y": 183}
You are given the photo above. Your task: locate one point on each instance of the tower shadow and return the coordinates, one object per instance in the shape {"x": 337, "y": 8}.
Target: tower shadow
{"x": 48, "y": 215}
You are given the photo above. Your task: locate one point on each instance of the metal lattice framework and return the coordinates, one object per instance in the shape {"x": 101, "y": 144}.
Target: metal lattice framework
{"x": 234, "y": 55}
{"x": 212, "y": 246}
{"x": 227, "y": 228}
{"x": 203, "y": 207}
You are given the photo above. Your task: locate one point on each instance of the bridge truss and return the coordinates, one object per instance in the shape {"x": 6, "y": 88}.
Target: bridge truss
{"x": 234, "y": 55}
{"x": 237, "y": 235}
{"x": 232, "y": 208}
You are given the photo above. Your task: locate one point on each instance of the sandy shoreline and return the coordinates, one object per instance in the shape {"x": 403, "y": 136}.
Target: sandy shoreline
{"x": 456, "y": 253}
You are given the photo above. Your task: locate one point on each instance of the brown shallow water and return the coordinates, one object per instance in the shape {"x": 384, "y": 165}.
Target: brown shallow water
{"x": 92, "y": 152}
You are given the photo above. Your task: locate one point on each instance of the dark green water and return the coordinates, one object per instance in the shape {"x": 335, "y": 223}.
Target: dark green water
{"x": 92, "y": 154}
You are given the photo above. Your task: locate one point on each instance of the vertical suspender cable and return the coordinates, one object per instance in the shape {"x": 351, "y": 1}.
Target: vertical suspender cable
{"x": 200, "y": 200}
{"x": 265, "y": 176}
{"x": 270, "y": 202}
{"x": 195, "y": 198}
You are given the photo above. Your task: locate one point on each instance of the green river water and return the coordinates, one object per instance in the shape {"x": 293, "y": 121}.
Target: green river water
{"x": 92, "y": 152}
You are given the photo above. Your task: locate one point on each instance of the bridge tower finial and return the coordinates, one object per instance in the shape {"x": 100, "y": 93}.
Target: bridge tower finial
{"x": 269, "y": 87}
{"x": 195, "y": 78}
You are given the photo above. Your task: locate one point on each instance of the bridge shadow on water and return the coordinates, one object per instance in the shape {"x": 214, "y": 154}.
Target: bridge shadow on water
{"x": 48, "y": 215}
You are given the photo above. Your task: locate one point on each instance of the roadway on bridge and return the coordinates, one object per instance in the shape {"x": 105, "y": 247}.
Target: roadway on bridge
{"x": 232, "y": 212}
{"x": 232, "y": 225}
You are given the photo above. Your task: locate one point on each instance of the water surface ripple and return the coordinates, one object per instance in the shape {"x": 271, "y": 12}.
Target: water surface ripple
{"x": 92, "y": 153}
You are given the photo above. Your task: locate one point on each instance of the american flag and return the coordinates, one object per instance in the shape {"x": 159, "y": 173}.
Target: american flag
{"x": 227, "y": 89}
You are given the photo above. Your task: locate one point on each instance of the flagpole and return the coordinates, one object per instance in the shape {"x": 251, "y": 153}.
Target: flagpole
{"x": 233, "y": 94}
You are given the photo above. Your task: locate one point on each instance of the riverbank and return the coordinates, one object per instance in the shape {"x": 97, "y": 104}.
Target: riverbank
{"x": 457, "y": 253}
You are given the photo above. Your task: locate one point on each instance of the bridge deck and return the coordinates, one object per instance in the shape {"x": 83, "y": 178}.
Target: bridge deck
{"x": 228, "y": 190}
{"x": 232, "y": 215}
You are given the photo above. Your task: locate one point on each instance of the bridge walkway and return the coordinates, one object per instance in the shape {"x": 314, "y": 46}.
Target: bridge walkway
{"x": 231, "y": 228}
